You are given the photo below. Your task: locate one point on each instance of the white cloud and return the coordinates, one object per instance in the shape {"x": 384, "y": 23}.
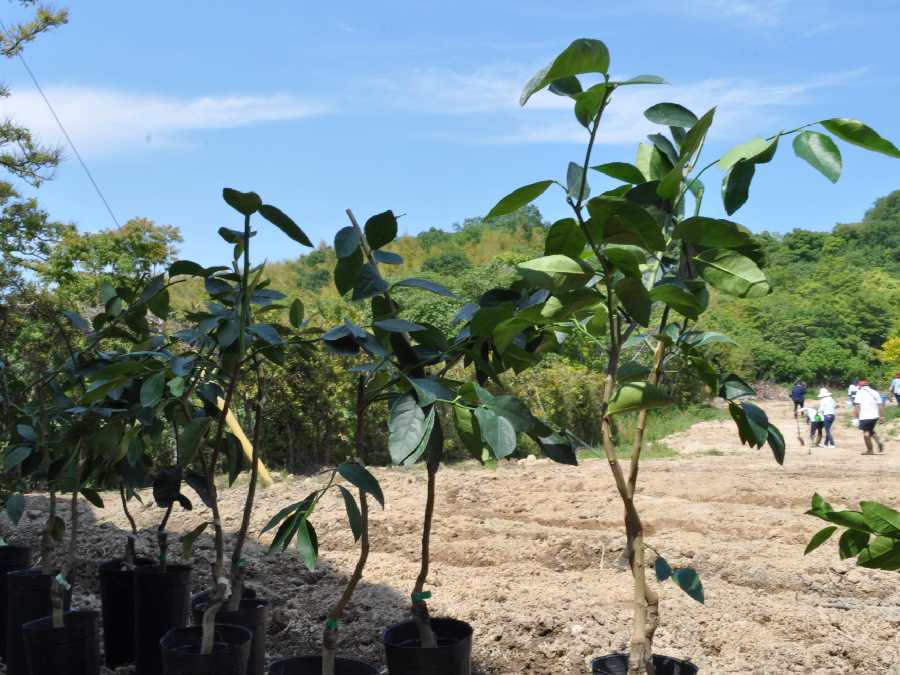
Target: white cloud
{"x": 103, "y": 120}
{"x": 742, "y": 103}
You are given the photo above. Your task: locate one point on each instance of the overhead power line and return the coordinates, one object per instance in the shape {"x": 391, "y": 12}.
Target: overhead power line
{"x": 68, "y": 138}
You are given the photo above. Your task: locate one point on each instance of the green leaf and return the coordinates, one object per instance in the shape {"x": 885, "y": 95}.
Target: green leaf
{"x": 587, "y": 104}
{"x": 634, "y": 299}
{"x": 468, "y": 430}
{"x": 662, "y": 568}
{"x": 487, "y": 319}
{"x": 566, "y": 86}
{"x": 187, "y": 540}
{"x": 620, "y": 221}
{"x": 369, "y": 283}
{"x": 347, "y": 270}
{"x": 15, "y": 507}
{"x": 353, "y": 514}
{"x": 381, "y": 229}
{"x": 713, "y": 233}
{"x": 228, "y": 332}
{"x": 755, "y": 151}
{"x": 882, "y": 519}
{"x": 582, "y": 56}
{"x": 689, "y": 581}
{"x": 558, "y": 448}
{"x": 519, "y": 198}
{"x": 187, "y": 268}
{"x": 851, "y": 543}
{"x": 819, "y": 506}
{"x": 190, "y": 437}
{"x": 758, "y": 422}
{"x": 387, "y": 257}
{"x": 882, "y": 554}
{"x": 496, "y": 431}
{"x": 857, "y": 133}
{"x": 78, "y": 321}
{"x": 427, "y": 285}
{"x": 776, "y": 441}
{"x": 296, "y": 313}
{"x": 398, "y": 326}
{"x": 821, "y": 152}
{"x": 152, "y": 389}
{"x": 359, "y": 476}
{"x": 694, "y": 138}
{"x": 733, "y": 387}
{"x": 851, "y": 519}
{"x": 93, "y": 497}
{"x": 671, "y": 115}
{"x": 565, "y": 238}
{"x": 651, "y": 163}
{"x": 622, "y": 171}
{"x": 676, "y": 295}
{"x": 280, "y": 220}
{"x": 159, "y": 304}
{"x": 554, "y": 271}
{"x": 819, "y": 538}
{"x": 406, "y": 428}
{"x": 27, "y": 432}
{"x": 575, "y": 178}
{"x": 633, "y": 396}
{"x": 15, "y": 456}
{"x": 308, "y": 544}
{"x": 247, "y": 203}
{"x": 346, "y": 242}
{"x": 642, "y": 79}
{"x": 429, "y": 390}
{"x": 664, "y": 145}
{"x": 736, "y": 185}
{"x": 514, "y": 410}
{"x": 733, "y": 273}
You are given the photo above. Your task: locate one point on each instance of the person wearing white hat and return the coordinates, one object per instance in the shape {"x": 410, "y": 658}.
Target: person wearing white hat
{"x": 828, "y": 409}
{"x": 868, "y": 408}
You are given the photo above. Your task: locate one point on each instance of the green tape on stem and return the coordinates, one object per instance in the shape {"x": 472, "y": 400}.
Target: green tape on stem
{"x": 419, "y": 597}
{"x": 331, "y": 624}
{"x": 61, "y": 580}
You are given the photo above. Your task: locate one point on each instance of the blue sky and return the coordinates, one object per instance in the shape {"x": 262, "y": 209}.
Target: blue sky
{"x": 413, "y": 105}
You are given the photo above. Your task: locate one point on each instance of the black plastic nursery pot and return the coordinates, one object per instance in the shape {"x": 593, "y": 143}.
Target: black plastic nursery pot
{"x": 617, "y": 664}
{"x": 27, "y": 599}
{"x": 312, "y": 665}
{"x": 161, "y": 603}
{"x": 73, "y": 649}
{"x": 181, "y": 655}
{"x": 117, "y": 600}
{"x": 251, "y": 615}
{"x": 452, "y": 656}
{"x": 12, "y": 558}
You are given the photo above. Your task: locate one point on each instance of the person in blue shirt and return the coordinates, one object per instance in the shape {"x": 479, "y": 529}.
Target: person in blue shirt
{"x": 798, "y": 395}
{"x": 895, "y": 388}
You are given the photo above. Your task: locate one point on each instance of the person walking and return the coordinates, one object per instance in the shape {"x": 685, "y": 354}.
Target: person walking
{"x": 828, "y": 410}
{"x": 798, "y": 396}
{"x": 868, "y": 409}
{"x": 851, "y": 391}
{"x": 895, "y": 388}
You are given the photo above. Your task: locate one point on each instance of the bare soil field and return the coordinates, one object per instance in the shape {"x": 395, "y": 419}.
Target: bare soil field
{"x": 527, "y": 553}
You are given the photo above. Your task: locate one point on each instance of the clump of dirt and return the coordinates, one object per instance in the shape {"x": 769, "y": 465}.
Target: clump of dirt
{"x": 527, "y": 553}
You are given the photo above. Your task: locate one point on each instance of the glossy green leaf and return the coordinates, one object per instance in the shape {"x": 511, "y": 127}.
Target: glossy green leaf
{"x": 27, "y": 432}
{"x": 15, "y": 507}
{"x": 566, "y": 86}
{"x": 353, "y": 514}
{"x": 359, "y": 476}
{"x": 620, "y": 221}
{"x": 369, "y": 283}
{"x": 733, "y": 388}
{"x": 308, "y": 544}
{"x": 406, "y": 428}
{"x": 247, "y": 203}
{"x": 664, "y": 145}
{"x": 496, "y": 431}
{"x": 398, "y": 326}
{"x": 883, "y": 553}
{"x": 671, "y": 115}
{"x": 882, "y": 519}
{"x": 519, "y": 198}
{"x": 857, "y": 133}
{"x": 296, "y": 313}
{"x": 651, "y": 163}
{"x": 381, "y": 229}
{"x": 14, "y": 456}
{"x": 514, "y": 410}
{"x": 819, "y": 538}
{"x": 689, "y": 581}
{"x": 712, "y": 232}
{"x": 776, "y": 442}
{"x": 587, "y": 104}
{"x": 552, "y": 271}
{"x": 851, "y": 543}
{"x": 634, "y": 396}
{"x": 733, "y": 273}
{"x": 152, "y": 389}
{"x": 346, "y": 271}
{"x": 622, "y": 171}
{"x": 736, "y": 185}
{"x": 676, "y": 295}
{"x": 642, "y": 79}
{"x": 566, "y": 238}
{"x": 696, "y": 135}
{"x": 634, "y": 299}
{"x": 387, "y": 257}
{"x": 582, "y": 56}
{"x": 346, "y": 242}
{"x": 187, "y": 268}
{"x": 558, "y": 448}
{"x": 662, "y": 568}
{"x": 821, "y": 152}
{"x": 754, "y": 151}
{"x": 427, "y": 285}
{"x": 468, "y": 431}
{"x": 78, "y": 321}
{"x": 284, "y": 223}
{"x": 575, "y": 180}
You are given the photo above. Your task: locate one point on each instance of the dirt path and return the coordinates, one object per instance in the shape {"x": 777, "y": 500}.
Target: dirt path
{"x": 526, "y": 554}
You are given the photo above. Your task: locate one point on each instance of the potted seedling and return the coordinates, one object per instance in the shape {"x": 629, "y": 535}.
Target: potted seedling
{"x": 635, "y": 266}
{"x": 230, "y": 344}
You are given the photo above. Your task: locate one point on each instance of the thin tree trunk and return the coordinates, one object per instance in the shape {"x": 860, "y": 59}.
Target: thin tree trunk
{"x": 60, "y": 585}
{"x": 130, "y": 541}
{"x": 419, "y": 606}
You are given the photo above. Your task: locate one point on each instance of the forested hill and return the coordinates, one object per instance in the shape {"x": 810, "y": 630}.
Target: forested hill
{"x": 836, "y": 294}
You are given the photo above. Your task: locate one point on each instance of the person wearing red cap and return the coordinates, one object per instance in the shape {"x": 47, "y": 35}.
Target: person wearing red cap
{"x": 868, "y": 409}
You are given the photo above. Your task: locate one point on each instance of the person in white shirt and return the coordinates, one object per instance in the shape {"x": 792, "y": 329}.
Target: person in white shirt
{"x": 895, "y": 388}
{"x": 851, "y": 392}
{"x": 867, "y": 408}
{"x": 828, "y": 410}
{"x": 816, "y": 424}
